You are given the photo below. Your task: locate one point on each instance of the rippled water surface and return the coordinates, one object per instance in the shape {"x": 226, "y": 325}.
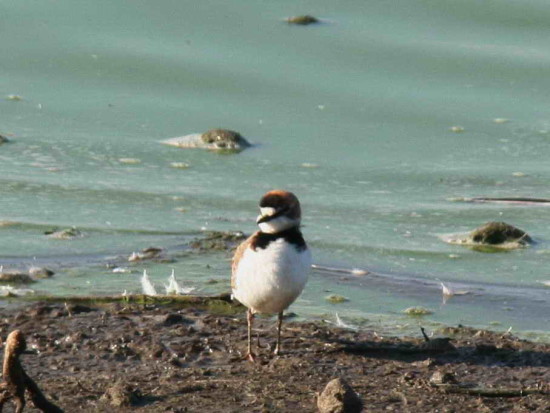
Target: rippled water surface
{"x": 381, "y": 119}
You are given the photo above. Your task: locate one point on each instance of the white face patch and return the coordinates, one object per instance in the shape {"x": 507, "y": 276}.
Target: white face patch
{"x": 267, "y": 211}
{"x": 278, "y": 224}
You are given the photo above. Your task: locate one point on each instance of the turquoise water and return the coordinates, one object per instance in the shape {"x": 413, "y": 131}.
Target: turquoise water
{"x": 354, "y": 115}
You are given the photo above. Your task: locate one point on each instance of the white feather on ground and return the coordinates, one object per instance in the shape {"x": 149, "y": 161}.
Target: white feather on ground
{"x": 449, "y": 292}
{"x": 340, "y": 323}
{"x": 8, "y": 290}
{"x": 174, "y": 288}
{"x": 146, "y": 285}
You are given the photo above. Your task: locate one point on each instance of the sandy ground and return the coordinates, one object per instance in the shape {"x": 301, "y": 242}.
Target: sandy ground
{"x": 154, "y": 359}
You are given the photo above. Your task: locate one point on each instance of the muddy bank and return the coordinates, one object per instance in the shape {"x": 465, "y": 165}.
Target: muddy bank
{"x": 142, "y": 357}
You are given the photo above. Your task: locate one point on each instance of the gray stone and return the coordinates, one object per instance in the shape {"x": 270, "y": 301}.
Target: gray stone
{"x": 223, "y": 140}
{"x": 121, "y": 395}
{"x": 65, "y": 234}
{"x": 339, "y": 397}
{"x": 40, "y": 272}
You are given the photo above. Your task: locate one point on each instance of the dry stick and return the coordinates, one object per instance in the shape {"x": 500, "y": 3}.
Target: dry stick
{"x": 426, "y": 338}
{"x": 490, "y": 392}
{"x": 16, "y": 381}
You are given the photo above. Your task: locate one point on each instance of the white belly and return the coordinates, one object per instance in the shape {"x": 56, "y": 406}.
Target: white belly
{"x": 269, "y": 280}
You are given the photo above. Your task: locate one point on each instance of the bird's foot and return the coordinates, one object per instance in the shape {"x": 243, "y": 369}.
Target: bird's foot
{"x": 250, "y": 357}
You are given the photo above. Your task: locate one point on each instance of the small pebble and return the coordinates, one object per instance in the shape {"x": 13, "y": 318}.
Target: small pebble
{"x": 122, "y": 270}
{"x": 179, "y": 165}
{"x": 302, "y": 20}
{"x": 129, "y": 161}
{"x": 336, "y": 299}
{"x": 417, "y": 311}
{"x": 501, "y": 120}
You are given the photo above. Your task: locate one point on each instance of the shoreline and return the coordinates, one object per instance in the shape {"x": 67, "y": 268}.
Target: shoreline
{"x": 189, "y": 359}
{"x": 223, "y": 304}
{"x": 477, "y": 302}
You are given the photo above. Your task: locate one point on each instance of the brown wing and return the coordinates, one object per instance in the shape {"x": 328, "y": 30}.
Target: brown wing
{"x": 239, "y": 252}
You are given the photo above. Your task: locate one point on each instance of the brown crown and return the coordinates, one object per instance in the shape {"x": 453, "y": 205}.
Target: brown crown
{"x": 281, "y": 200}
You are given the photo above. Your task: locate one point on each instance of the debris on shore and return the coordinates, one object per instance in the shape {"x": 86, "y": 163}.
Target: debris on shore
{"x": 143, "y": 356}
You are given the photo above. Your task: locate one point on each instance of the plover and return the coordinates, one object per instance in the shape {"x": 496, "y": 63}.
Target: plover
{"x": 270, "y": 268}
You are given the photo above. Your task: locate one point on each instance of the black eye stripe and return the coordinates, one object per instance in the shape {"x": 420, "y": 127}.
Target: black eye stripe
{"x": 277, "y": 214}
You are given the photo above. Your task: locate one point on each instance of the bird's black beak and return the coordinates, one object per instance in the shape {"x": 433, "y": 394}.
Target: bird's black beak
{"x": 264, "y": 218}
{"x": 267, "y": 218}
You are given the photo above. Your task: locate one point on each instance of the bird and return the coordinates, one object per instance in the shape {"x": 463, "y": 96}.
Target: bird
{"x": 271, "y": 267}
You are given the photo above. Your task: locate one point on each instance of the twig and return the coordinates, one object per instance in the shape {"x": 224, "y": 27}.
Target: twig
{"x": 68, "y": 309}
{"x": 491, "y": 392}
{"x": 426, "y": 338}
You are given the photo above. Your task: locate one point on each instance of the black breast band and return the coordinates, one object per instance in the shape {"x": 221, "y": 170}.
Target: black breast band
{"x": 292, "y": 236}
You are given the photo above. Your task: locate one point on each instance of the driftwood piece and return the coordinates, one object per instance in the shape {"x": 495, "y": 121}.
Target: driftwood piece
{"x": 16, "y": 381}
{"x": 490, "y": 391}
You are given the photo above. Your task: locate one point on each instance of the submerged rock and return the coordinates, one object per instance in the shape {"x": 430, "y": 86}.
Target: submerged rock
{"x": 65, "y": 234}
{"x": 214, "y": 139}
{"x": 417, "y": 311}
{"x": 146, "y": 254}
{"x": 218, "y": 241}
{"x": 496, "y": 233}
{"x": 302, "y": 20}
{"x": 40, "y": 272}
{"x": 339, "y": 397}
{"x": 492, "y": 236}
{"x": 15, "y": 277}
{"x": 336, "y": 299}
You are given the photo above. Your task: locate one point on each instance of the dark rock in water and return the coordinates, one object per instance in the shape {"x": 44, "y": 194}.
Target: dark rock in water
{"x": 339, "y": 397}
{"x": 302, "y": 20}
{"x": 218, "y": 241}
{"x": 121, "y": 395}
{"x": 15, "y": 277}
{"x": 224, "y": 139}
{"x": 40, "y": 272}
{"x": 495, "y": 233}
{"x": 146, "y": 254}
{"x": 3, "y": 139}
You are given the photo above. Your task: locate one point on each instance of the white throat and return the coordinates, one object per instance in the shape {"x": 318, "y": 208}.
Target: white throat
{"x": 278, "y": 224}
